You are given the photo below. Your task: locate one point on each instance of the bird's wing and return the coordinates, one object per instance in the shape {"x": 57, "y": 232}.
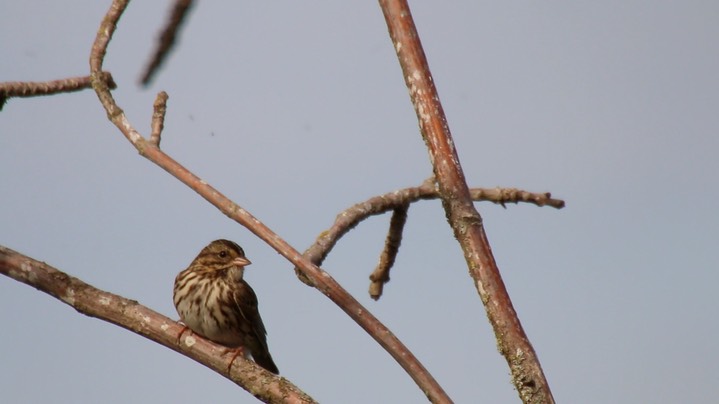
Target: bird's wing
{"x": 246, "y": 301}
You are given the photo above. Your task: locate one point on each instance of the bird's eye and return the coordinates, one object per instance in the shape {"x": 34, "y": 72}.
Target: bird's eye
{"x": 223, "y": 254}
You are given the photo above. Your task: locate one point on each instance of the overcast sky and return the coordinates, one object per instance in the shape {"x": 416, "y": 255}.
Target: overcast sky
{"x": 296, "y": 111}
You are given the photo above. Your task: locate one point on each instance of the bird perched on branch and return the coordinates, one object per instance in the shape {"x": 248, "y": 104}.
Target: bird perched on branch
{"x": 215, "y": 302}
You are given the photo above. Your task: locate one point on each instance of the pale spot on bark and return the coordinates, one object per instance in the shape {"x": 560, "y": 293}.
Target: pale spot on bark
{"x": 190, "y": 341}
{"x": 69, "y": 298}
{"x": 482, "y": 292}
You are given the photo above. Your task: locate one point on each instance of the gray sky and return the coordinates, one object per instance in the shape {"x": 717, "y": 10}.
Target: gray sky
{"x": 297, "y": 110}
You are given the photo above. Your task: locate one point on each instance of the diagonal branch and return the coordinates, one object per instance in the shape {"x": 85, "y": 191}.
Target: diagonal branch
{"x": 139, "y": 319}
{"x": 321, "y": 279}
{"x": 527, "y": 375}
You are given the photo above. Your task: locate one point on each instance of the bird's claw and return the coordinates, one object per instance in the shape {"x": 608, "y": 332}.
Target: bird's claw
{"x": 235, "y": 353}
{"x": 182, "y": 331}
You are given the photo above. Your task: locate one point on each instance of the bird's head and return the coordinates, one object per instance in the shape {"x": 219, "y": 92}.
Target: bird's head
{"x": 222, "y": 255}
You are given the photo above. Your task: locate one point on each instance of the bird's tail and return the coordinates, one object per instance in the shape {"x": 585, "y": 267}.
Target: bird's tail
{"x": 264, "y": 359}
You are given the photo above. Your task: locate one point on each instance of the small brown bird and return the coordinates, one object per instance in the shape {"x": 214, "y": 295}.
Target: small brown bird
{"x": 215, "y": 302}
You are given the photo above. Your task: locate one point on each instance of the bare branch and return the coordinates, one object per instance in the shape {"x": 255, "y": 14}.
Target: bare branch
{"x": 527, "y": 375}
{"x": 159, "y": 109}
{"x": 351, "y": 217}
{"x": 380, "y": 275}
{"x": 167, "y": 39}
{"x": 143, "y": 321}
{"x": 321, "y": 279}
{"x": 37, "y": 88}
{"x": 502, "y": 196}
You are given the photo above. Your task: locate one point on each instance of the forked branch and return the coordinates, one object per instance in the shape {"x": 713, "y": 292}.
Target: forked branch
{"x": 448, "y": 184}
{"x": 351, "y": 217}
{"x": 321, "y": 279}
{"x": 527, "y": 375}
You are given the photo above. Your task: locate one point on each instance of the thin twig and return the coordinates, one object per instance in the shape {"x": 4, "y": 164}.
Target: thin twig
{"x": 38, "y": 88}
{"x": 159, "y": 109}
{"x": 143, "y": 321}
{"x": 168, "y": 38}
{"x": 380, "y": 275}
{"x": 527, "y": 375}
{"x": 503, "y": 196}
{"x": 321, "y": 279}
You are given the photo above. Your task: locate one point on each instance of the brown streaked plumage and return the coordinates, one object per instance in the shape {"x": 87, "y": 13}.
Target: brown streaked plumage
{"x": 215, "y": 302}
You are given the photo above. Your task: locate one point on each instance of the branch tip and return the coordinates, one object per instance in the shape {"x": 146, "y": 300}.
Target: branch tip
{"x": 380, "y": 276}
{"x": 159, "y": 109}
{"x": 167, "y": 39}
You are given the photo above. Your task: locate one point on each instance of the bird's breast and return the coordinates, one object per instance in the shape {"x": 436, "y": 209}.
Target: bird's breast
{"x": 210, "y": 313}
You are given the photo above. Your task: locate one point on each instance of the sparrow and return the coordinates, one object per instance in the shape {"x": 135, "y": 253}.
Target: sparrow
{"x": 214, "y": 301}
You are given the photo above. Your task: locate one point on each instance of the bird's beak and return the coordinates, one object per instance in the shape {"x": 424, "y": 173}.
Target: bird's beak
{"x": 241, "y": 261}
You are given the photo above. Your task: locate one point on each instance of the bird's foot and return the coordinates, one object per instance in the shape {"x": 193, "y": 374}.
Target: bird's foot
{"x": 182, "y": 331}
{"x": 235, "y": 353}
